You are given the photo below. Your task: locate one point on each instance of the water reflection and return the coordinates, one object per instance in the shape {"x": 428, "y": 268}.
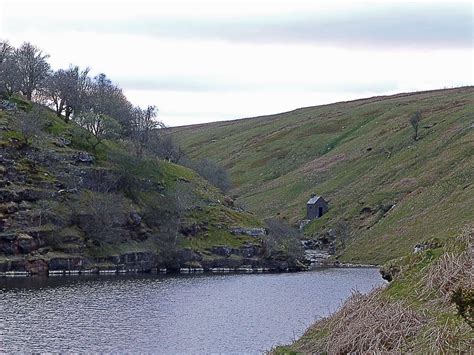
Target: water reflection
{"x": 170, "y": 314}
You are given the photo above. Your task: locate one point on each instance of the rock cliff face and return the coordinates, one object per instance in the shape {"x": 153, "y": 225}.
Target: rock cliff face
{"x": 66, "y": 209}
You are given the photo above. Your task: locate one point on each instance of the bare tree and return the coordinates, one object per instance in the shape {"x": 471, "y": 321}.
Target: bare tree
{"x": 54, "y": 91}
{"x": 212, "y": 172}
{"x": 32, "y": 68}
{"x": 81, "y": 98}
{"x": 143, "y": 124}
{"x": 5, "y": 50}
{"x": 343, "y": 232}
{"x": 10, "y": 77}
{"x": 99, "y": 125}
{"x": 108, "y": 98}
{"x": 9, "y": 74}
{"x": 30, "y": 124}
{"x": 167, "y": 213}
{"x": 282, "y": 238}
{"x": 415, "y": 121}
{"x": 68, "y": 90}
{"x": 100, "y": 216}
{"x": 163, "y": 146}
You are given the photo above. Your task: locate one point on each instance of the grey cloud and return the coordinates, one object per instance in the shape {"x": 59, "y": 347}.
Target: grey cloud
{"x": 201, "y": 84}
{"x": 425, "y": 26}
{"x": 407, "y": 25}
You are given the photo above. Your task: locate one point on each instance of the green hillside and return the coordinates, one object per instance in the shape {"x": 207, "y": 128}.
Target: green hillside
{"x": 65, "y": 205}
{"x": 392, "y": 190}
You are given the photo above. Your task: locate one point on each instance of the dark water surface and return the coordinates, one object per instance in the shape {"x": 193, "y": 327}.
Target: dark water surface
{"x": 170, "y": 314}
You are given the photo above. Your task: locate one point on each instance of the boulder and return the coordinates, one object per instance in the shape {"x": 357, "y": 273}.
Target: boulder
{"x": 134, "y": 219}
{"x": 228, "y": 263}
{"x": 228, "y": 201}
{"x": 249, "y": 251}
{"x": 26, "y": 243}
{"x": 221, "y": 250}
{"x": 62, "y": 142}
{"x": 190, "y": 230}
{"x": 83, "y": 157}
{"x": 13, "y": 265}
{"x": 389, "y": 272}
{"x": 66, "y": 263}
{"x": 37, "y": 266}
{"x": 253, "y": 232}
{"x": 187, "y": 255}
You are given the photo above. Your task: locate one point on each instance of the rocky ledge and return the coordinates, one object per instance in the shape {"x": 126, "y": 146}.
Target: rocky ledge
{"x": 248, "y": 258}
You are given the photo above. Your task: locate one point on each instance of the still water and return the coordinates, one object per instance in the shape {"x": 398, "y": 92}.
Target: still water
{"x": 170, "y": 314}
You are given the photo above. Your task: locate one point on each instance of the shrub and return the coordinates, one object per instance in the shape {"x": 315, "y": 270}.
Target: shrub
{"x": 212, "y": 172}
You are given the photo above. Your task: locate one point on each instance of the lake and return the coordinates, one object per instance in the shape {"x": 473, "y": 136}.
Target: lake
{"x": 231, "y": 313}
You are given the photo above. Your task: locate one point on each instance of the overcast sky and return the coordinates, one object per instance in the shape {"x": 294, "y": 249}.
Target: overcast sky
{"x": 202, "y": 61}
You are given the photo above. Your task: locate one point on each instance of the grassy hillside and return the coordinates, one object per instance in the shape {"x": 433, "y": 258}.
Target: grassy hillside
{"x": 360, "y": 155}
{"x": 65, "y": 205}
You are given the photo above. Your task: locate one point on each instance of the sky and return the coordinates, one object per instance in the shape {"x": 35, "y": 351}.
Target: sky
{"x": 202, "y": 61}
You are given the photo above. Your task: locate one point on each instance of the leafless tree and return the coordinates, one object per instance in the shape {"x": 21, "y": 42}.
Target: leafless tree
{"x": 30, "y": 124}
{"x": 343, "y": 232}
{"x": 212, "y": 172}
{"x": 5, "y": 50}
{"x": 32, "y": 67}
{"x": 163, "y": 146}
{"x": 108, "y": 98}
{"x": 100, "y": 216}
{"x": 9, "y": 75}
{"x": 282, "y": 238}
{"x": 99, "y": 125}
{"x": 415, "y": 121}
{"x": 68, "y": 90}
{"x": 54, "y": 91}
{"x": 167, "y": 213}
{"x": 142, "y": 126}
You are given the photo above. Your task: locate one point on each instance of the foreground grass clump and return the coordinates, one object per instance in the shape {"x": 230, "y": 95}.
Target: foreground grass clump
{"x": 421, "y": 311}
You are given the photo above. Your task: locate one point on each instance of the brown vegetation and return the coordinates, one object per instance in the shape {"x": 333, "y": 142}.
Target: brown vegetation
{"x": 436, "y": 319}
{"x": 366, "y": 323}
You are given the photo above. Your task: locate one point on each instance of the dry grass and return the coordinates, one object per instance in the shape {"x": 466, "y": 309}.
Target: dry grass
{"x": 452, "y": 271}
{"x": 425, "y": 323}
{"x": 447, "y": 338}
{"x": 367, "y": 323}
{"x": 449, "y": 274}
{"x": 372, "y": 324}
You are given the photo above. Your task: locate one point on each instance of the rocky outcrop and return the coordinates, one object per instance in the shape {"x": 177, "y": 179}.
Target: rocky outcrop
{"x": 19, "y": 243}
{"x": 6, "y": 105}
{"x": 139, "y": 261}
{"x": 61, "y": 213}
{"x": 82, "y": 158}
{"x": 253, "y": 232}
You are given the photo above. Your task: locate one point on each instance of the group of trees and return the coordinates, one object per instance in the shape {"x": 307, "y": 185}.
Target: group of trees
{"x": 95, "y": 103}
{"x": 22, "y": 69}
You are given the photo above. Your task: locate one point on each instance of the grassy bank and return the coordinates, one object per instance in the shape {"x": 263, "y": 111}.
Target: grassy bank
{"x": 427, "y": 308}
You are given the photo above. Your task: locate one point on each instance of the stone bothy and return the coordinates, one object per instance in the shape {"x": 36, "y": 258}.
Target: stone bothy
{"x": 316, "y": 207}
